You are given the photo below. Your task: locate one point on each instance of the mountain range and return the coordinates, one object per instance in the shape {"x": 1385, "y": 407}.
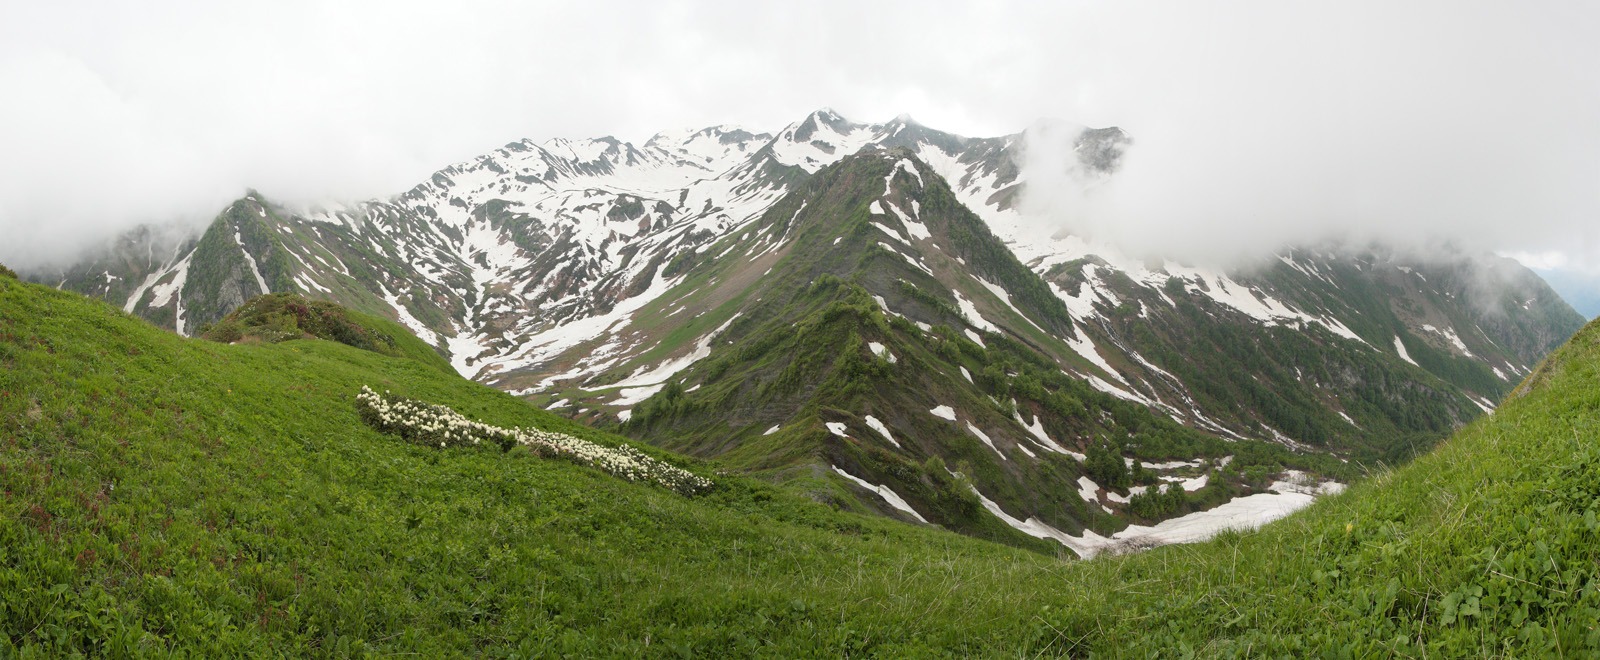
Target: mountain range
{"x": 861, "y": 311}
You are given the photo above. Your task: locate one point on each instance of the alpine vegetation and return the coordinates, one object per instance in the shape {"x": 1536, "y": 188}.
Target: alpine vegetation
{"x": 429, "y": 425}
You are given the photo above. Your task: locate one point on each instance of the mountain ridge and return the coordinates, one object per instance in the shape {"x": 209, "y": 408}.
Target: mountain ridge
{"x": 589, "y": 276}
{"x": 255, "y": 511}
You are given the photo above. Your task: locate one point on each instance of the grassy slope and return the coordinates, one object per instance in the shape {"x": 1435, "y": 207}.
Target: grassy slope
{"x": 278, "y": 317}
{"x": 163, "y": 493}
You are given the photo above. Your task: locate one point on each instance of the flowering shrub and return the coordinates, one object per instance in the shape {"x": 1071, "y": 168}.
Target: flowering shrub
{"x": 438, "y": 426}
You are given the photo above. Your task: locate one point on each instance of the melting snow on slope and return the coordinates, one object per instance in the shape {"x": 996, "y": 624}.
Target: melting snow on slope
{"x": 890, "y": 231}
{"x": 877, "y": 425}
{"x": 413, "y": 324}
{"x": 882, "y": 351}
{"x": 1081, "y": 303}
{"x": 894, "y": 499}
{"x": 173, "y": 292}
{"x": 945, "y": 412}
{"x": 1400, "y": 348}
{"x": 1169, "y": 465}
{"x": 149, "y": 281}
{"x": 1450, "y": 334}
{"x": 810, "y": 157}
{"x": 260, "y": 281}
{"x": 634, "y": 395}
{"x": 162, "y": 294}
{"x": 1084, "y": 346}
{"x": 1241, "y": 513}
{"x": 552, "y": 342}
{"x": 1006, "y": 297}
{"x": 1085, "y": 547}
{"x": 1088, "y": 490}
{"x": 1296, "y": 481}
{"x": 920, "y": 266}
{"x": 1037, "y": 429}
{"x": 1486, "y": 405}
{"x": 1246, "y": 512}
{"x": 985, "y": 438}
{"x": 838, "y": 429}
{"x": 668, "y": 368}
{"x": 970, "y": 311}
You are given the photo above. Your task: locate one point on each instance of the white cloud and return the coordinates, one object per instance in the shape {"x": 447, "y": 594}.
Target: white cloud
{"x": 1410, "y": 122}
{"x": 1394, "y": 117}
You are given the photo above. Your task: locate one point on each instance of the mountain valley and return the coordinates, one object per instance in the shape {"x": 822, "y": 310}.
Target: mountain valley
{"x": 862, "y": 312}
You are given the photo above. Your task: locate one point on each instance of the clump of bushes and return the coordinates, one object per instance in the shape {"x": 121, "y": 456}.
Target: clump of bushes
{"x": 1106, "y": 467}
{"x": 7, "y": 272}
{"x": 1156, "y": 503}
{"x": 438, "y": 426}
{"x": 277, "y": 317}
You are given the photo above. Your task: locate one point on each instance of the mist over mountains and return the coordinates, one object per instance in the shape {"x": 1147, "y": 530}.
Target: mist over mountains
{"x": 1384, "y": 122}
{"x": 542, "y": 329}
{"x": 877, "y": 300}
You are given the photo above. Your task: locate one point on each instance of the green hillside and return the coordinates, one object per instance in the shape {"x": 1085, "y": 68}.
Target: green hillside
{"x": 277, "y": 317}
{"x": 815, "y": 343}
{"x": 164, "y": 495}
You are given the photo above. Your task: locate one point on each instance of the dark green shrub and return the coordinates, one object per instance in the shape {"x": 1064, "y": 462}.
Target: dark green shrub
{"x": 1105, "y": 465}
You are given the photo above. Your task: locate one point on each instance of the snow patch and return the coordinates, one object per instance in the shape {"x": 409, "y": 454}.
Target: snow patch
{"x": 945, "y": 412}
{"x": 985, "y": 438}
{"x": 877, "y": 425}
{"x": 260, "y": 281}
{"x": 894, "y": 499}
{"x": 1085, "y": 547}
{"x": 1006, "y": 298}
{"x": 635, "y": 395}
{"x": 1084, "y": 346}
{"x": 970, "y": 311}
{"x": 668, "y": 368}
{"x": 890, "y": 231}
{"x": 1301, "y": 482}
{"x": 881, "y": 351}
{"x": 914, "y": 227}
{"x": 1037, "y": 429}
{"x": 1450, "y": 334}
{"x": 1400, "y": 348}
{"x": 415, "y": 325}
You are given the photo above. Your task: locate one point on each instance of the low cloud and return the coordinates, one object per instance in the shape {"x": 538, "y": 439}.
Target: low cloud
{"x": 1472, "y": 126}
{"x": 1255, "y": 123}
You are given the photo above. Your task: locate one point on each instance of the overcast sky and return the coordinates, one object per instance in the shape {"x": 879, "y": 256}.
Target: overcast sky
{"x": 1256, "y": 122}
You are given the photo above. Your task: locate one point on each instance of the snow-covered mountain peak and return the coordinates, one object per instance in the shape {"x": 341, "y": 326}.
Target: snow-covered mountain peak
{"x": 614, "y": 281}
{"x": 714, "y": 149}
